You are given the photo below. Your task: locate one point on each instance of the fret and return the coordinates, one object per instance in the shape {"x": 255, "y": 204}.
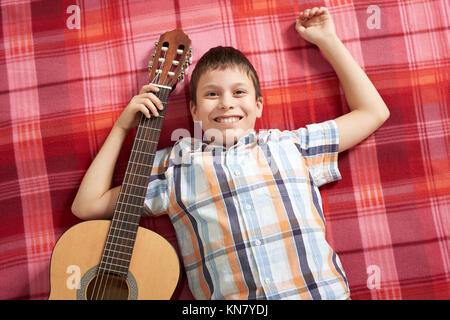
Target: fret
{"x": 143, "y": 152}
{"x": 123, "y": 262}
{"x": 117, "y": 262}
{"x": 142, "y": 176}
{"x": 146, "y": 141}
{"x": 133, "y": 200}
{"x": 129, "y": 213}
{"x": 119, "y": 238}
{"x": 103, "y": 270}
{"x": 126, "y": 213}
{"x": 125, "y": 227}
{"x": 128, "y": 222}
{"x": 141, "y": 164}
{"x": 138, "y": 179}
{"x": 161, "y": 116}
{"x": 115, "y": 266}
{"x": 130, "y": 204}
{"x": 152, "y": 129}
{"x": 133, "y": 185}
{"x": 131, "y": 231}
{"x": 118, "y": 252}
{"x": 121, "y": 248}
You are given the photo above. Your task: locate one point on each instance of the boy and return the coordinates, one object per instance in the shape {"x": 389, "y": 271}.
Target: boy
{"x": 245, "y": 206}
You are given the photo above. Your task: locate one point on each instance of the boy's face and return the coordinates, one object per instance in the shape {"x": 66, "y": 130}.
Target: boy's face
{"x": 227, "y": 107}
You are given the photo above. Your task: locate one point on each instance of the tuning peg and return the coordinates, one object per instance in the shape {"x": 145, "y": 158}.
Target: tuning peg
{"x": 156, "y": 43}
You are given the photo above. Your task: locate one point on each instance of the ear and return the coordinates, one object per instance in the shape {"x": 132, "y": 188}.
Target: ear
{"x": 193, "y": 109}
{"x": 259, "y": 107}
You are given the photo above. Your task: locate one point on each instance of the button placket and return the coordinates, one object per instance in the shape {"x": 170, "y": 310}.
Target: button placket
{"x": 247, "y": 216}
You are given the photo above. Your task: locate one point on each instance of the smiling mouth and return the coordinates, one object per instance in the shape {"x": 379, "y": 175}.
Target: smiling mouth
{"x": 227, "y": 119}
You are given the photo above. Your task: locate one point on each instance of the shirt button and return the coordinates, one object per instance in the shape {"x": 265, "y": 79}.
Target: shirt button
{"x": 237, "y": 172}
{"x": 258, "y": 243}
{"x": 267, "y": 280}
{"x": 248, "y": 207}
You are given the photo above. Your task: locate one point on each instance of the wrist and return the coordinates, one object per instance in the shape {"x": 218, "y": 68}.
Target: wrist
{"x": 120, "y": 129}
{"x": 328, "y": 43}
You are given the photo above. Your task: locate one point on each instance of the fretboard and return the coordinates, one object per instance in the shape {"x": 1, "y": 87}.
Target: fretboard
{"x": 122, "y": 233}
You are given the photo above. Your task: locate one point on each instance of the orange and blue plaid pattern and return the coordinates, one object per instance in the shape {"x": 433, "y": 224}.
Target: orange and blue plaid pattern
{"x": 249, "y": 220}
{"x": 67, "y": 74}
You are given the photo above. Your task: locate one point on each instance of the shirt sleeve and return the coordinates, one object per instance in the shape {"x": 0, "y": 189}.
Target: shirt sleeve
{"x": 158, "y": 189}
{"x": 319, "y": 145}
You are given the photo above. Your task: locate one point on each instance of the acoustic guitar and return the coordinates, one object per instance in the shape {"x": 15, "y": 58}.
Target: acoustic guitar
{"x": 117, "y": 259}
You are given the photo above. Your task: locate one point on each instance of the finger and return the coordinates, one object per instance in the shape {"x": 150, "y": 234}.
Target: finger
{"x": 150, "y": 106}
{"x": 148, "y": 87}
{"x": 145, "y": 111}
{"x": 155, "y": 100}
{"x": 301, "y": 28}
{"x": 301, "y": 17}
{"x": 314, "y": 11}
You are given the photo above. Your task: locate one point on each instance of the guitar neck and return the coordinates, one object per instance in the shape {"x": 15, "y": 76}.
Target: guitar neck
{"x": 134, "y": 186}
{"x": 130, "y": 202}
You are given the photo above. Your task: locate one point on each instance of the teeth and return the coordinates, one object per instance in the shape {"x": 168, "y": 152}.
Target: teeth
{"x": 228, "y": 120}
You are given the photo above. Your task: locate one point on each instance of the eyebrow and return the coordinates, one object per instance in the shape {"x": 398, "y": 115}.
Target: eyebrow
{"x": 213, "y": 86}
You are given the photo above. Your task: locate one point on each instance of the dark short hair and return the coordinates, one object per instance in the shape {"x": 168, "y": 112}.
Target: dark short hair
{"x": 222, "y": 58}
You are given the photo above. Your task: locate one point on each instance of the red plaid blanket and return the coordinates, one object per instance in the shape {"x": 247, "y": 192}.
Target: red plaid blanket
{"x": 68, "y": 68}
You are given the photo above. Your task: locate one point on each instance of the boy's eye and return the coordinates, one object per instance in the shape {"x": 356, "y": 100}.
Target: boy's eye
{"x": 239, "y": 92}
{"x": 211, "y": 94}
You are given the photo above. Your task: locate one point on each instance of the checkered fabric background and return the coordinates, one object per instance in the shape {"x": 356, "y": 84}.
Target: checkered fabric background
{"x": 62, "y": 88}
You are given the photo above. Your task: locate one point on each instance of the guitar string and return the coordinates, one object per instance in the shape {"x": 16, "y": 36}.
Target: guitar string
{"x": 114, "y": 233}
{"x": 126, "y": 201}
{"x": 131, "y": 186}
{"x": 128, "y": 187}
{"x": 107, "y": 266}
{"x": 157, "y": 123}
{"x": 146, "y": 157}
{"x": 142, "y": 171}
{"x": 123, "y": 203}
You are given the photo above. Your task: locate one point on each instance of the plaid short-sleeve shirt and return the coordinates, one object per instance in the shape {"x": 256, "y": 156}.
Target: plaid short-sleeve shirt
{"x": 249, "y": 219}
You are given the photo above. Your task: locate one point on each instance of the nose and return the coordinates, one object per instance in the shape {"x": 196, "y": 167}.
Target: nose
{"x": 226, "y": 102}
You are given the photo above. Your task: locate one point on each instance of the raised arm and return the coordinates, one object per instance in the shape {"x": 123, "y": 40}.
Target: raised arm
{"x": 367, "y": 109}
{"x": 95, "y": 198}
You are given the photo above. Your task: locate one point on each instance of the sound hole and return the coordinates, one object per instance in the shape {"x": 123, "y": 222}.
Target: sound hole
{"x": 107, "y": 287}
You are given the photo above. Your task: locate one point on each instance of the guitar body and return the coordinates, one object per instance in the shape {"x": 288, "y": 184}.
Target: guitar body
{"x": 153, "y": 272}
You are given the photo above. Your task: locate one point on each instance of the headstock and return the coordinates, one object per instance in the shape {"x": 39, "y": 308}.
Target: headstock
{"x": 171, "y": 58}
